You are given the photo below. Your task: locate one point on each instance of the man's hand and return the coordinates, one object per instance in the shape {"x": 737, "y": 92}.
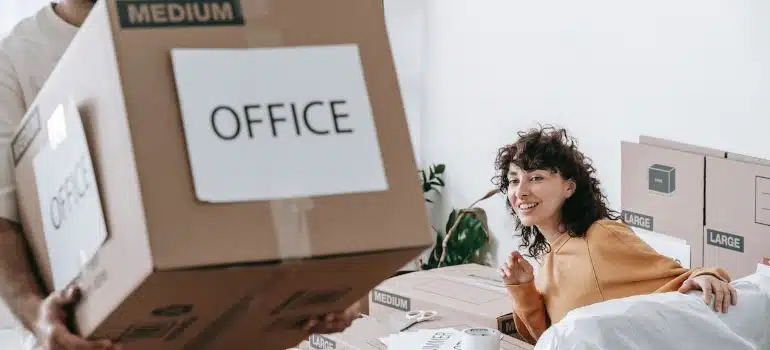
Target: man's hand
{"x": 334, "y": 322}
{"x": 723, "y": 292}
{"x": 51, "y": 329}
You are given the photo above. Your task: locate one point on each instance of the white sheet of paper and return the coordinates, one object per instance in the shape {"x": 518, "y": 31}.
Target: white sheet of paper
{"x": 73, "y": 220}
{"x": 277, "y": 123}
{"x": 670, "y": 246}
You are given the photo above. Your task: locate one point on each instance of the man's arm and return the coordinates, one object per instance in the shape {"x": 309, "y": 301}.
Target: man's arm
{"x": 19, "y": 285}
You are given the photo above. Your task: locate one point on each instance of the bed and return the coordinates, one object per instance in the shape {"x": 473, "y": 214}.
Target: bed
{"x": 669, "y": 321}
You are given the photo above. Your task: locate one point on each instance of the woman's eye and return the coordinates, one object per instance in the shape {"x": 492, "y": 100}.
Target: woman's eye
{"x": 537, "y": 178}
{"x": 513, "y": 181}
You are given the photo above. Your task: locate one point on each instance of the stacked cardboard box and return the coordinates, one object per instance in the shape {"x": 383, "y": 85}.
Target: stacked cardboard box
{"x": 188, "y": 159}
{"x": 472, "y": 293}
{"x": 716, "y": 201}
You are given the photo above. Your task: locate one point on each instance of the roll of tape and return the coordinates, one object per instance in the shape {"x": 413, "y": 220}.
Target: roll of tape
{"x": 480, "y": 339}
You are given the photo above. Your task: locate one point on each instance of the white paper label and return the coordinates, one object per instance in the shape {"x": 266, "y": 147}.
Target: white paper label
{"x": 276, "y": 123}
{"x": 73, "y": 220}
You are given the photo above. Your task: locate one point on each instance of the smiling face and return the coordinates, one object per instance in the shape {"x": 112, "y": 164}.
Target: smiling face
{"x": 537, "y": 196}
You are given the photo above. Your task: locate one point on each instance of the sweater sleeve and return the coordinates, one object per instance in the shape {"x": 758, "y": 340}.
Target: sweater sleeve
{"x": 626, "y": 265}
{"x": 529, "y": 313}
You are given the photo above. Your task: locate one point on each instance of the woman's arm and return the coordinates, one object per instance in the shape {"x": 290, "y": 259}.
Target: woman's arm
{"x": 529, "y": 313}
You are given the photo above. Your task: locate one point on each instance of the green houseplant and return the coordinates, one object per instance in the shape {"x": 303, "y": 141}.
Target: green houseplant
{"x": 466, "y": 232}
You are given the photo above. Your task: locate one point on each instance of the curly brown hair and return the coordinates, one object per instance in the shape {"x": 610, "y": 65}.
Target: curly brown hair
{"x": 551, "y": 148}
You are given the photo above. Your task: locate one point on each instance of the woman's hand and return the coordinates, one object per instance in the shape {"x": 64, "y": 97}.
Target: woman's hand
{"x": 724, "y": 293}
{"x": 517, "y": 270}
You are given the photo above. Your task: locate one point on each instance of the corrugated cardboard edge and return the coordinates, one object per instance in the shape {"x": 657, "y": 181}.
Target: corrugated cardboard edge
{"x": 681, "y": 146}
{"x": 748, "y": 159}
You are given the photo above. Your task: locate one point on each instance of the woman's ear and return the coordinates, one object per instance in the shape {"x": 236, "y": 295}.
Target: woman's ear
{"x": 571, "y": 186}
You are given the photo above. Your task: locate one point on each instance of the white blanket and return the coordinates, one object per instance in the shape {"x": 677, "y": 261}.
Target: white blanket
{"x": 668, "y": 321}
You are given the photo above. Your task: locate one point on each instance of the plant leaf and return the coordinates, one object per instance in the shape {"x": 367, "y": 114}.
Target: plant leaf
{"x": 440, "y": 168}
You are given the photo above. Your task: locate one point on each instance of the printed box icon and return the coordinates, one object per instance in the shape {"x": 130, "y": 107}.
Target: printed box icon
{"x": 662, "y": 178}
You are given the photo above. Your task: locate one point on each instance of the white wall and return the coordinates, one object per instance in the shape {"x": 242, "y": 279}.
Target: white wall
{"x": 11, "y": 11}
{"x": 696, "y": 71}
{"x": 406, "y": 24}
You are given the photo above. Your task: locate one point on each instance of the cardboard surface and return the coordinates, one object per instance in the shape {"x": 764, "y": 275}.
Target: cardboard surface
{"x": 269, "y": 318}
{"x": 471, "y": 292}
{"x": 166, "y": 244}
{"x": 662, "y": 190}
{"x": 737, "y": 232}
{"x": 365, "y": 334}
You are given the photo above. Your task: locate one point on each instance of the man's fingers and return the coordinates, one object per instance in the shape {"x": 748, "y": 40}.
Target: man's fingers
{"x": 310, "y": 324}
{"x": 68, "y": 341}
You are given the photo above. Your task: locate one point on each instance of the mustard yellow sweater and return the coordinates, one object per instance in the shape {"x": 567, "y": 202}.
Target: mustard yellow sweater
{"x": 609, "y": 262}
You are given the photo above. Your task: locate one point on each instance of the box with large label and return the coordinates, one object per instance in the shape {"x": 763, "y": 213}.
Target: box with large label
{"x": 737, "y": 232}
{"x": 662, "y": 190}
{"x": 471, "y": 292}
{"x": 186, "y": 155}
{"x": 367, "y": 333}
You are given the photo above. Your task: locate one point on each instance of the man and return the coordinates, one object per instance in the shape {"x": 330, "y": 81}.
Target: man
{"x": 28, "y": 55}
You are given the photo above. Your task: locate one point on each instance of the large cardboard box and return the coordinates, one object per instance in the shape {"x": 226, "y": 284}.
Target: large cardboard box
{"x": 366, "y": 334}
{"x": 471, "y": 292}
{"x": 737, "y": 231}
{"x": 662, "y": 190}
{"x": 185, "y": 156}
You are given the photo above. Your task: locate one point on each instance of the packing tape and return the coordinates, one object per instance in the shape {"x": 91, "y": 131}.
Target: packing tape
{"x": 289, "y": 216}
{"x": 480, "y": 339}
{"x": 260, "y": 30}
{"x": 291, "y": 226}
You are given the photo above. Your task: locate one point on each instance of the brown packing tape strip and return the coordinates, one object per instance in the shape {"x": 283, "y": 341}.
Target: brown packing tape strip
{"x": 289, "y": 216}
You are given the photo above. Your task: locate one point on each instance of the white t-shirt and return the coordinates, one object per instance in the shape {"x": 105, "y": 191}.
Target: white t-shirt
{"x": 28, "y": 55}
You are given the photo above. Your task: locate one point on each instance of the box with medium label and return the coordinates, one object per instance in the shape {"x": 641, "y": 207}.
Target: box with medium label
{"x": 737, "y": 234}
{"x": 366, "y": 333}
{"x": 226, "y": 148}
{"x": 470, "y": 292}
{"x": 662, "y": 190}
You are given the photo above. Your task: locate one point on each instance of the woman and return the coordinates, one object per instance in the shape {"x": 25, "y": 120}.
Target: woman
{"x": 587, "y": 255}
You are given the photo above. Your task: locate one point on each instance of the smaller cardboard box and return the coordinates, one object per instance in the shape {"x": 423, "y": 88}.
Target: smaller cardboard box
{"x": 473, "y": 293}
{"x": 737, "y": 231}
{"x": 366, "y": 334}
{"x": 662, "y": 190}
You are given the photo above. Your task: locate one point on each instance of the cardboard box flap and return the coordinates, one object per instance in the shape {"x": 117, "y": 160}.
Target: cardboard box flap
{"x": 471, "y": 289}
{"x": 681, "y": 146}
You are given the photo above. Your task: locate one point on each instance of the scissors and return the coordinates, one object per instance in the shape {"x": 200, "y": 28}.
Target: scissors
{"x": 416, "y": 316}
